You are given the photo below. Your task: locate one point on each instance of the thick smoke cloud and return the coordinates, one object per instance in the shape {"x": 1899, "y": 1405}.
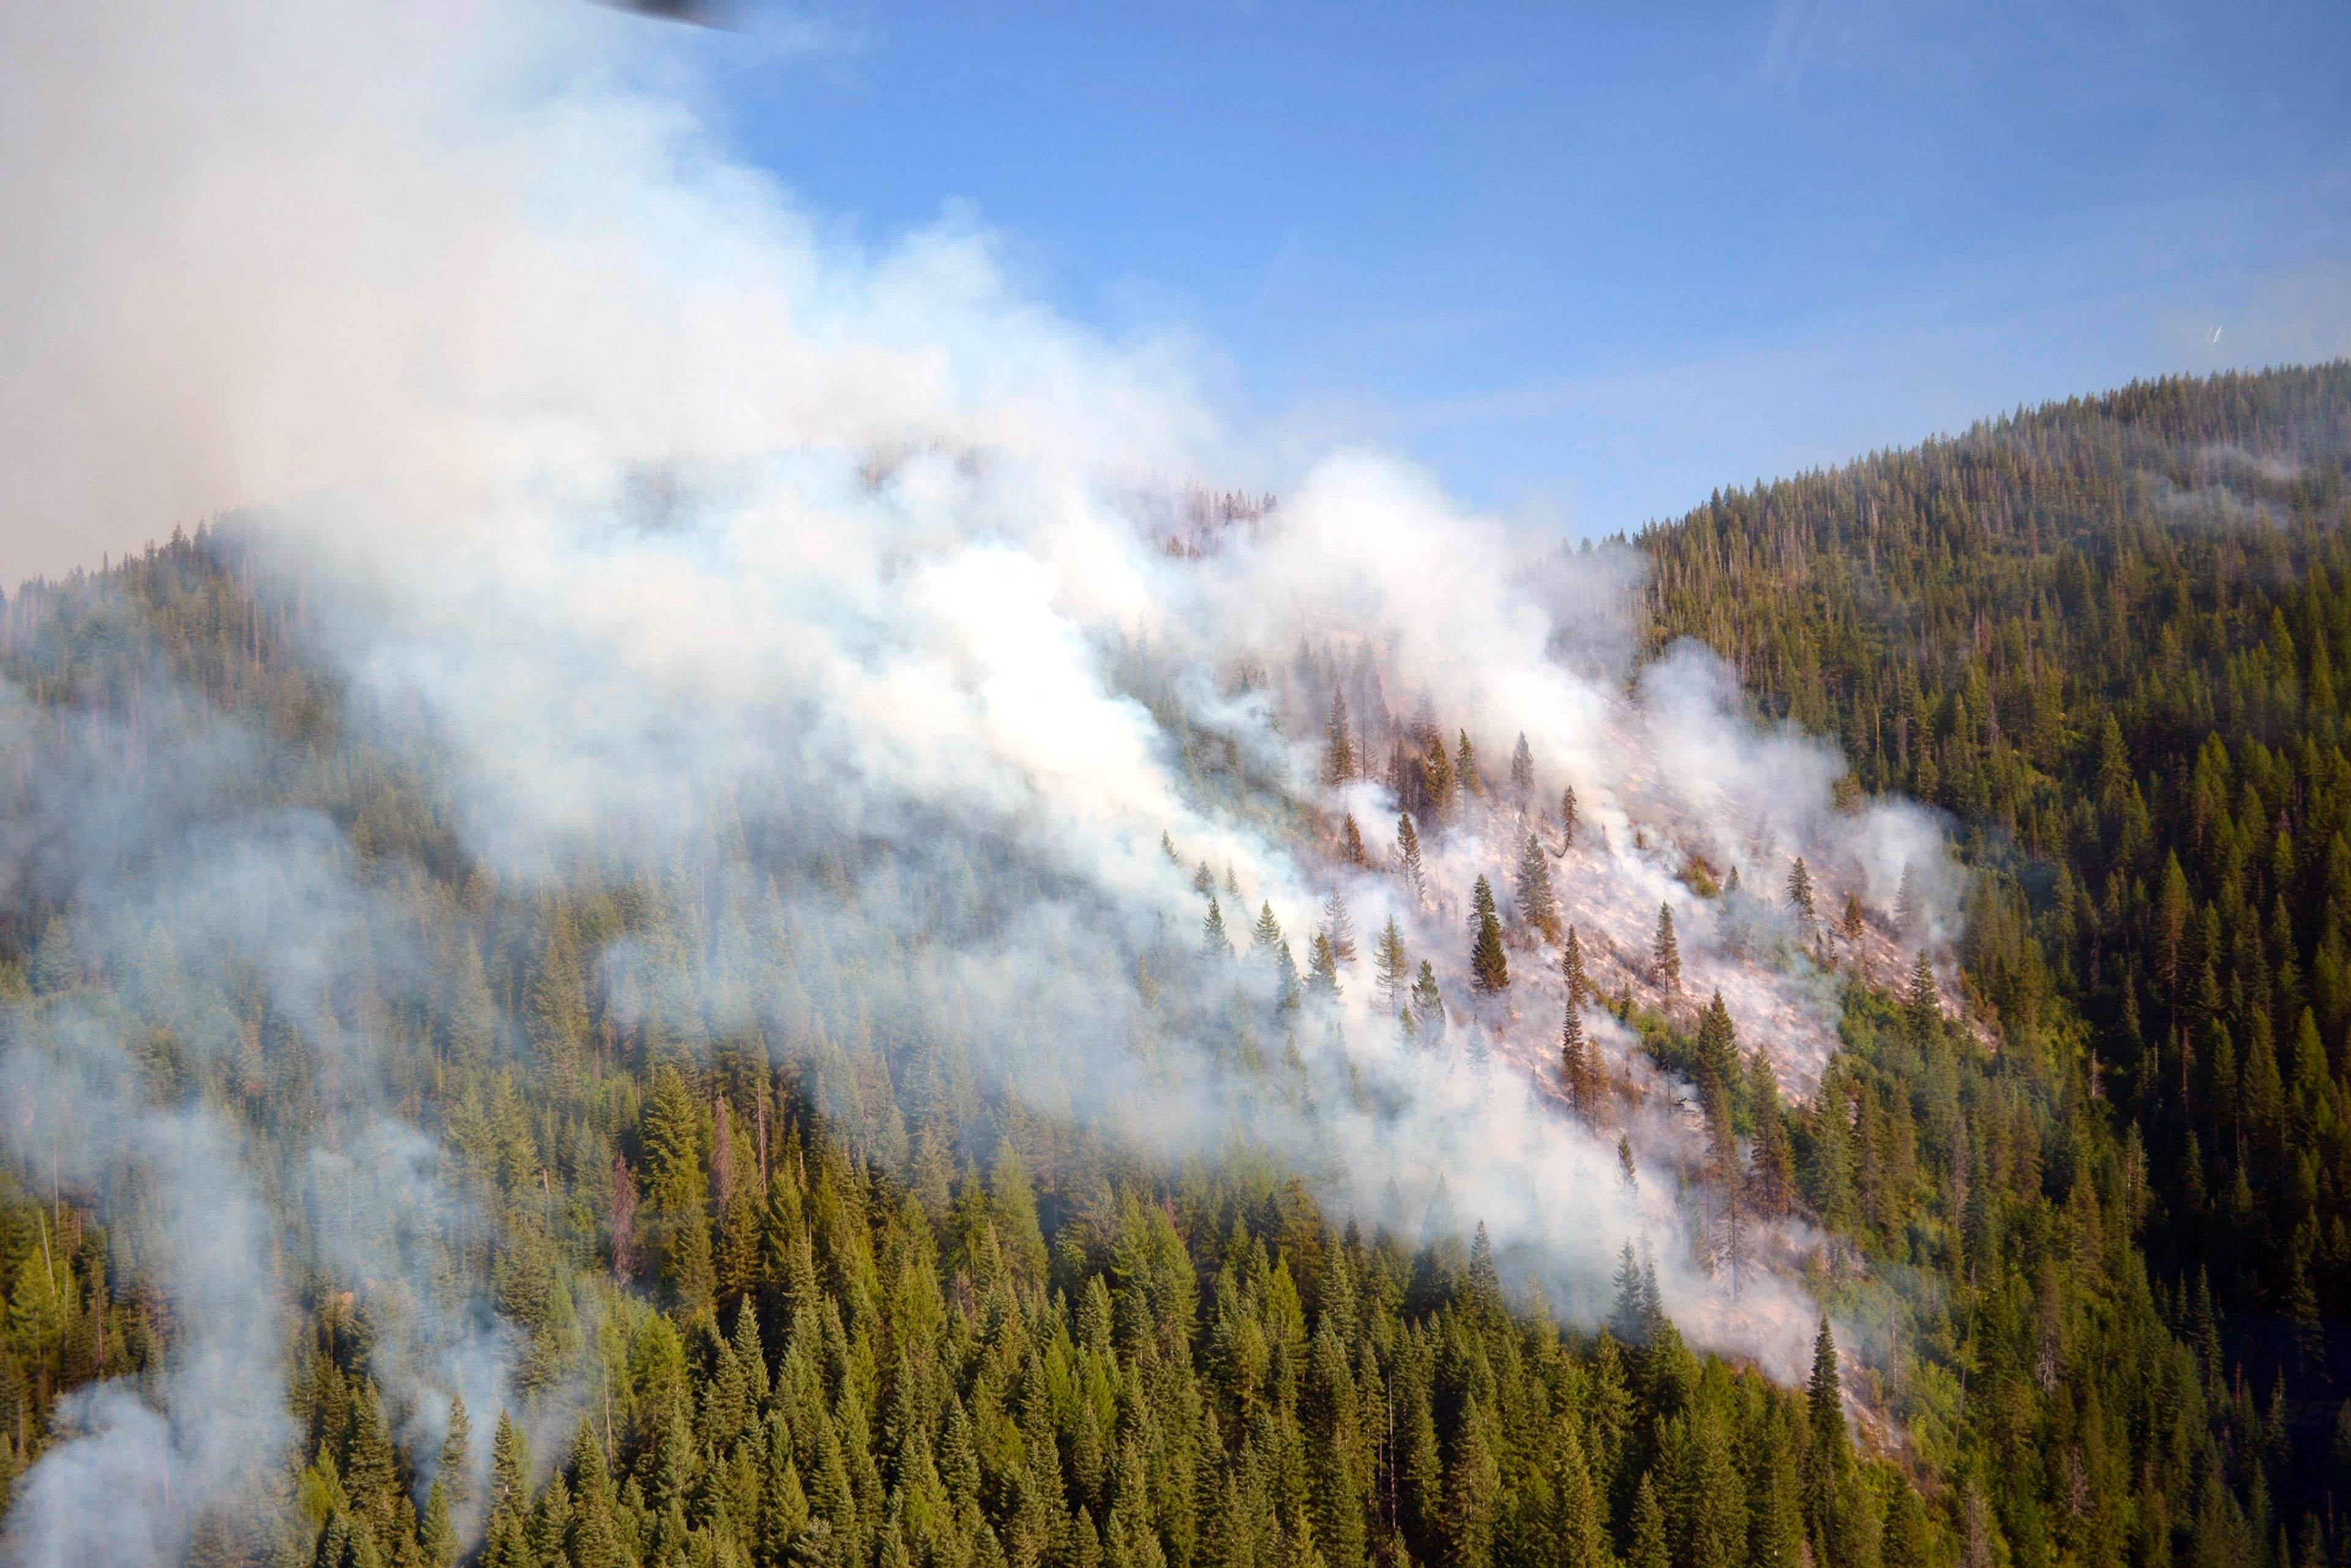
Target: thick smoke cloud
{"x": 642, "y": 502}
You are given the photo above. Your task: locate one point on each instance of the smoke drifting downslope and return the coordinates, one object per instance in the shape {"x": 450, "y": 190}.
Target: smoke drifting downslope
{"x": 644, "y": 509}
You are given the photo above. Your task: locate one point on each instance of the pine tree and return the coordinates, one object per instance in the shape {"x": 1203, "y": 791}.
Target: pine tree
{"x": 1322, "y": 969}
{"x": 1286, "y": 988}
{"x": 1905, "y": 902}
{"x": 1390, "y": 966}
{"x": 1567, "y": 819}
{"x": 1923, "y": 1008}
{"x": 1650, "y": 1549}
{"x": 1771, "y": 1176}
{"x": 1416, "y": 880}
{"x": 1828, "y": 1456}
{"x": 1338, "y": 928}
{"x": 1538, "y": 905}
{"x": 1522, "y": 768}
{"x": 1443, "y": 786}
{"x": 1666, "y": 953}
{"x": 1800, "y": 894}
{"x": 455, "y": 1476}
{"x": 508, "y": 1543}
{"x": 1852, "y": 917}
{"x": 1232, "y": 884}
{"x": 1490, "y": 968}
{"x": 1339, "y": 759}
{"x": 1266, "y": 934}
{"x": 1214, "y": 942}
{"x": 1570, "y": 964}
{"x": 1465, "y": 768}
{"x": 1204, "y": 881}
{"x": 1575, "y": 1062}
{"x": 1428, "y": 1002}
{"x": 1167, "y": 848}
{"x": 1351, "y": 844}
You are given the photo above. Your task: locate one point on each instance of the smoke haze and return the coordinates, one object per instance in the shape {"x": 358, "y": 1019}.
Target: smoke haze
{"x": 643, "y": 508}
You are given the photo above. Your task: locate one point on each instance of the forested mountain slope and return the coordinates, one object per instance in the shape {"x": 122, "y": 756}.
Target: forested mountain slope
{"x": 677, "y": 1208}
{"x": 2104, "y": 634}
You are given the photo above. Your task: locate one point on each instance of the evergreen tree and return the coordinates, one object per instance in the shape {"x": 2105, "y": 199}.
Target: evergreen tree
{"x": 1538, "y": 905}
{"x": 1428, "y": 1002}
{"x": 1567, "y": 819}
{"x": 1339, "y": 759}
{"x": 1416, "y": 880}
{"x": 1351, "y": 844}
{"x": 1490, "y": 968}
{"x": 1650, "y": 1549}
{"x": 1286, "y": 988}
{"x": 1576, "y": 1066}
{"x": 1338, "y": 928}
{"x": 455, "y": 1475}
{"x": 1828, "y": 1459}
{"x": 1266, "y": 934}
{"x": 1800, "y": 894}
{"x": 1571, "y": 962}
{"x": 1391, "y": 968}
{"x": 1214, "y": 942}
{"x": 1322, "y": 969}
{"x": 1522, "y": 769}
{"x": 1666, "y": 953}
{"x": 507, "y": 1543}
{"x": 1923, "y": 1008}
{"x": 1465, "y": 768}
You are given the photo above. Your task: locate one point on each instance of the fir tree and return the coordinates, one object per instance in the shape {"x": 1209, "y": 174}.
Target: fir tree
{"x": 1650, "y": 1549}
{"x": 1443, "y": 786}
{"x": 1339, "y": 761}
{"x": 1338, "y": 929}
{"x": 1800, "y": 894}
{"x": 1416, "y": 880}
{"x": 455, "y": 1476}
{"x": 1522, "y": 768}
{"x": 1214, "y": 942}
{"x": 1666, "y": 953}
{"x": 1852, "y": 917}
{"x": 508, "y": 1543}
{"x": 1428, "y": 1002}
{"x": 1490, "y": 968}
{"x": 1538, "y": 905}
{"x": 1390, "y": 966}
{"x": 1286, "y": 988}
{"x": 1828, "y": 1458}
{"x": 1351, "y": 844}
{"x": 1923, "y": 1008}
{"x": 1266, "y": 934}
{"x": 1322, "y": 969}
{"x": 1571, "y": 965}
{"x": 1465, "y": 768}
{"x": 1204, "y": 881}
{"x": 1905, "y": 902}
{"x": 1576, "y": 1068}
{"x": 1567, "y": 819}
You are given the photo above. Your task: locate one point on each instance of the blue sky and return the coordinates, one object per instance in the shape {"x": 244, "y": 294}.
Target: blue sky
{"x": 1589, "y": 264}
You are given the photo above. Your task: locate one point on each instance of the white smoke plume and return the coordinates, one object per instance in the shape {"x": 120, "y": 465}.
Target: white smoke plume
{"x": 645, "y": 503}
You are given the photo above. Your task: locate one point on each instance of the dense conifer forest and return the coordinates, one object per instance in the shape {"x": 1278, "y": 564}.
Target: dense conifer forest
{"x": 790, "y": 1282}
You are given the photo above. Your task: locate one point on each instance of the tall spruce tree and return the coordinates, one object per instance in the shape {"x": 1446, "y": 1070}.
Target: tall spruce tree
{"x": 1489, "y": 966}
{"x": 1666, "y": 953}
